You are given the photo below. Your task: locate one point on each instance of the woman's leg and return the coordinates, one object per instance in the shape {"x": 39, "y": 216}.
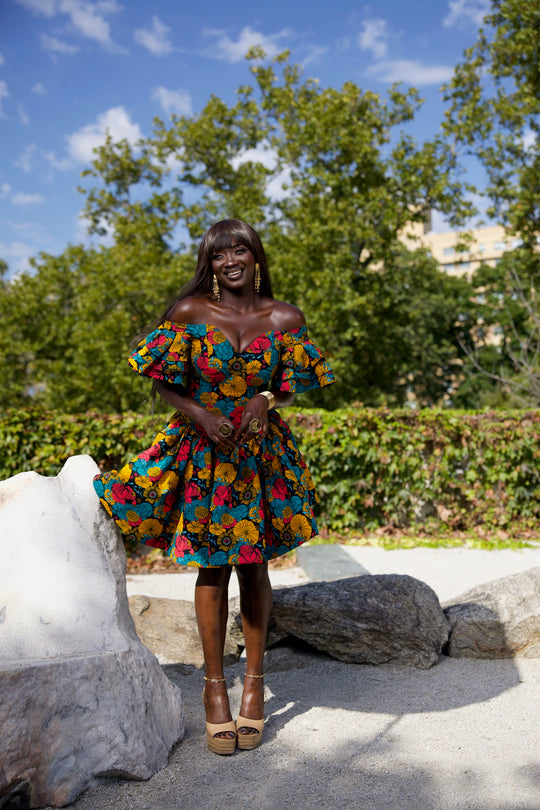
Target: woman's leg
{"x": 211, "y": 609}
{"x": 255, "y": 607}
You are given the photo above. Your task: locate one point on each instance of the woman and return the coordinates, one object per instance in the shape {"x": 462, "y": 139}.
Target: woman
{"x": 224, "y": 484}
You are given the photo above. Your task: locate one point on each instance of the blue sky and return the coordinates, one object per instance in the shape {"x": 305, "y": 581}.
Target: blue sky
{"x": 71, "y": 69}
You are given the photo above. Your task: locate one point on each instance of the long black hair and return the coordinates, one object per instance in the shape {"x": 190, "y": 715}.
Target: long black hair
{"x": 223, "y": 235}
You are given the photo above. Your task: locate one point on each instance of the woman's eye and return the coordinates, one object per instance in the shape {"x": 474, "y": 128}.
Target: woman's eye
{"x": 216, "y": 257}
{"x": 240, "y": 250}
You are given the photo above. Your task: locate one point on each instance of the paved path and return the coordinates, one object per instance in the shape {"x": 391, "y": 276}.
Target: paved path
{"x": 464, "y": 735}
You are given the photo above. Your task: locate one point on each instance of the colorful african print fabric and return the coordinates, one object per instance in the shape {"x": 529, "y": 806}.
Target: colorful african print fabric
{"x": 204, "y": 506}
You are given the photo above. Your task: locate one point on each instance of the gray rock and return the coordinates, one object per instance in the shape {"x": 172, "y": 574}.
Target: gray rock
{"x": 168, "y": 627}
{"x": 80, "y": 696}
{"x": 364, "y": 620}
{"x": 498, "y": 620}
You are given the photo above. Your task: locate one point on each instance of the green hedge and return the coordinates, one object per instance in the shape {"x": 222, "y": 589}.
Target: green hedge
{"x": 372, "y": 467}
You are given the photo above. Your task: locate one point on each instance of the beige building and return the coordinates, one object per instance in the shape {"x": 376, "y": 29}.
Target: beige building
{"x": 457, "y": 255}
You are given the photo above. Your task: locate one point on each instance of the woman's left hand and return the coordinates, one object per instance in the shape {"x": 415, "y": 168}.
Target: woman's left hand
{"x": 255, "y": 414}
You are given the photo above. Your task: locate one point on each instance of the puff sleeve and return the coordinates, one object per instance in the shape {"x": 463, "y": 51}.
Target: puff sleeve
{"x": 302, "y": 364}
{"x": 164, "y": 354}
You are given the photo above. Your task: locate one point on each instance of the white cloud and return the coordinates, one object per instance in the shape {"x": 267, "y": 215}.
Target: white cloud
{"x": 26, "y": 199}
{"x": 529, "y": 139}
{"x": 259, "y": 154}
{"x": 23, "y": 115}
{"x": 156, "y": 39}
{"x": 410, "y": 71}
{"x": 5, "y": 189}
{"x": 4, "y": 93}
{"x": 115, "y": 121}
{"x": 374, "y": 37}
{"x": 87, "y": 18}
{"x": 55, "y": 45}
{"x": 269, "y": 159}
{"x": 225, "y": 48}
{"x": 16, "y": 255}
{"x": 25, "y": 161}
{"x": 45, "y": 7}
{"x": 314, "y": 54}
{"x": 39, "y": 90}
{"x": 464, "y": 12}
{"x": 173, "y": 101}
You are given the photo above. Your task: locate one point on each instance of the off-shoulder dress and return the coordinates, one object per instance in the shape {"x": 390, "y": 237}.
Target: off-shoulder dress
{"x": 208, "y": 507}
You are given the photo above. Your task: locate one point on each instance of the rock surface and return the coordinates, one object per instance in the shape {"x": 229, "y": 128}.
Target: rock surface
{"x": 168, "y": 627}
{"x": 80, "y": 696}
{"x": 363, "y": 620}
{"x": 498, "y": 620}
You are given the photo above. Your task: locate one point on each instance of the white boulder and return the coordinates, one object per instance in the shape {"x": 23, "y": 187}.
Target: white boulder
{"x": 80, "y": 696}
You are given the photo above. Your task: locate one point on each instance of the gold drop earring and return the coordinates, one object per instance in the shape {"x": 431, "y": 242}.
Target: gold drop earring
{"x": 257, "y": 278}
{"x": 215, "y": 289}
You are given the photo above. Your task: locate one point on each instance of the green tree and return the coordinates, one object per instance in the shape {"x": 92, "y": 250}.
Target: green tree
{"x": 330, "y": 180}
{"x": 494, "y": 117}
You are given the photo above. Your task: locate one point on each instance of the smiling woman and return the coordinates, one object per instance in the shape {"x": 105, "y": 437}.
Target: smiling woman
{"x": 228, "y": 484}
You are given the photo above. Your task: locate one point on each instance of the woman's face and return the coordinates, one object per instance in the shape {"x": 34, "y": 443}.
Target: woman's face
{"x": 234, "y": 266}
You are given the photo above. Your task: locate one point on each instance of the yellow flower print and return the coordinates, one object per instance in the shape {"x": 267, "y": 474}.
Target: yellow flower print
{"x": 226, "y": 472}
{"x": 195, "y": 527}
{"x": 154, "y": 473}
{"x": 204, "y": 473}
{"x": 218, "y": 337}
{"x": 234, "y": 387}
{"x": 300, "y": 355}
{"x": 237, "y": 367}
{"x": 151, "y": 527}
{"x": 188, "y": 472}
{"x": 227, "y": 519}
{"x": 168, "y": 481}
{"x": 301, "y": 525}
{"x": 196, "y": 347}
{"x": 209, "y": 398}
{"x": 253, "y": 367}
{"x": 267, "y": 357}
{"x": 287, "y": 513}
{"x": 201, "y": 513}
{"x": 217, "y": 529}
{"x": 247, "y": 531}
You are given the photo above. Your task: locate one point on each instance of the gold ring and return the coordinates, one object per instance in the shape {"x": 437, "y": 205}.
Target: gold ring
{"x": 255, "y": 425}
{"x": 224, "y": 429}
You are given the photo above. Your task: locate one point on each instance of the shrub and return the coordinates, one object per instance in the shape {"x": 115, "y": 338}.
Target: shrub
{"x": 372, "y": 467}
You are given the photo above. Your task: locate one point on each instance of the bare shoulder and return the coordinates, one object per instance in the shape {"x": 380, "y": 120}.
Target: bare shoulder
{"x": 287, "y": 316}
{"x": 190, "y": 310}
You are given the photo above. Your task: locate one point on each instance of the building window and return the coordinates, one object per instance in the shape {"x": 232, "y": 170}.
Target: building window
{"x": 481, "y": 248}
{"x": 465, "y": 266}
{"x": 449, "y": 268}
{"x": 448, "y": 251}
{"x": 499, "y": 246}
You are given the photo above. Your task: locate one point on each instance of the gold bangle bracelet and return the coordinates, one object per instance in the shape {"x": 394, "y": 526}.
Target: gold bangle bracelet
{"x": 270, "y": 397}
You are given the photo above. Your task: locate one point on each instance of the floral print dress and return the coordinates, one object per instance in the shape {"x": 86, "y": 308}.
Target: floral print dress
{"x": 208, "y": 507}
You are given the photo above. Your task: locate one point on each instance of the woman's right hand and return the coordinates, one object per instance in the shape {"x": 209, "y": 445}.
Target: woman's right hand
{"x": 213, "y": 423}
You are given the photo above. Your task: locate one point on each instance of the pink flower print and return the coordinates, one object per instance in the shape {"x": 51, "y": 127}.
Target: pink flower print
{"x": 182, "y": 546}
{"x": 249, "y": 556}
{"x": 260, "y": 344}
{"x": 279, "y": 490}
{"x": 222, "y": 495}
{"x": 152, "y": 452}
{"x": 123, "y": 494}
{"x": 192, "y": 492}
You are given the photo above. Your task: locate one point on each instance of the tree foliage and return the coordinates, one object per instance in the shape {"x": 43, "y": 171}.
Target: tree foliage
{"x": 329, "y": 179}
{"x": 494, "y": 113}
